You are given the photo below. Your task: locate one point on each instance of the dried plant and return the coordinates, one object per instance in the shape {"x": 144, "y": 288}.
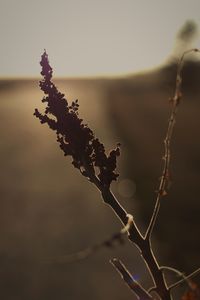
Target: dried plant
{"x": 88, "y": 155}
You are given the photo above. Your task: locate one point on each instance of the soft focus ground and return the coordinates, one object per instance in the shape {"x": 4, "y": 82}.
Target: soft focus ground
{"x": 48, "y": 210}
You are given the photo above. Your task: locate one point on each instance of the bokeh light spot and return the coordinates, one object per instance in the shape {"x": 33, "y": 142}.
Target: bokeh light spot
{"x": 126, "y": 188}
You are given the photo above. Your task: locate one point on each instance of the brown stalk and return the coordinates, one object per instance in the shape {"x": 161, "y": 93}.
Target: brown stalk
{"x": 186, "y": 278}
{"x": 139, "y": 241}
{"x": 162, "y": 190}
{"x": 135, "y": 287}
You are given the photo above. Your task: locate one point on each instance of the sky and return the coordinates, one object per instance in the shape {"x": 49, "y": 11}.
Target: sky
{"x": 90, "y": 37}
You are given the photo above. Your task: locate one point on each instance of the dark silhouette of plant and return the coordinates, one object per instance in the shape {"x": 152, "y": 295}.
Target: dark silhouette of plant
{"x": 88, "y": 154}
{"x": 76, "y": 139}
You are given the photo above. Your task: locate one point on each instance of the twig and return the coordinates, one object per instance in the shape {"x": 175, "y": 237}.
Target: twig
{"x": 134, "y": 285}
{"x": 167, "y": 143}
{"x": 174, "y": 270}
{"x": 184, "y": 279}
{"x": 83, "y": 254}
{"x": 179, "y": 273}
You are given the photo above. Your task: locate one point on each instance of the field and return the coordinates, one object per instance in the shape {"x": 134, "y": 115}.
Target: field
{"x": 47, "y": 210}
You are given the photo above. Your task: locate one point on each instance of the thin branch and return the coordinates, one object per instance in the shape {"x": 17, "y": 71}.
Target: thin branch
{"x": 116, "y": 238}
{"x": 66, "y": 259}
{"x": 134, "y": 285}
{"x": 184, "y": 279}
{"x": 179, "y": 273}
{"x": 167, "y": 143}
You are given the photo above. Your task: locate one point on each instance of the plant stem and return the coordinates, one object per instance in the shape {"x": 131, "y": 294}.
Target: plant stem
{"x": 167, "y": 142}
{"x": 184, "y": 279}
{"x": 136, "y": 288}
{"x": 142, "y": 244}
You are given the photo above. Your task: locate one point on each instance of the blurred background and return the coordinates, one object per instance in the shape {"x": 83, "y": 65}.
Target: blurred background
{"x": 119, "y": 60}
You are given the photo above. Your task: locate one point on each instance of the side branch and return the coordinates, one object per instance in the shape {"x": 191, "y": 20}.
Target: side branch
{"x": 165, "y": 175}
{"x": 167, "y": 142}
{"x": 134, "y": 285}
{"x": 116, "y": 238}
{"x": 184, "y": 279}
